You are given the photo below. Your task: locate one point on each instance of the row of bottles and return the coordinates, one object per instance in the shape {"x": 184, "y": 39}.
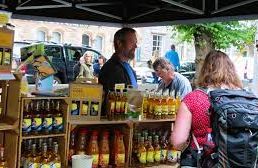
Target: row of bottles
{"x": 160, "y": 106}
{"x": 42, "y": 117}
{"x": 40, "y": 153}
{"x": 152, "y": 148}
{"x": 5, "y": 56}
{"x": 117, "y": 104}
{"x": 3, "y": 162}
{"x": 106, "y": 150}
{"x": 87, "y": 108}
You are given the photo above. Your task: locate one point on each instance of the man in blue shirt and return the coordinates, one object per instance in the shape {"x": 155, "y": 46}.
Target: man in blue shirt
{"x": 173, "y": 58}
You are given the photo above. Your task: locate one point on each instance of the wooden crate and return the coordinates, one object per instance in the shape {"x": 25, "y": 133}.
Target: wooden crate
{"x": 60, "y": 137}
{"x": 85, "y": 92}
{"x": 124, "y": 126}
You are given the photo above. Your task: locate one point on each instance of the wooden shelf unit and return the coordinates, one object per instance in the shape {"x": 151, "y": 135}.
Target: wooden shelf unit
{"x": 9, "y": 119}
{"x": 123, "y": 126}
{"x": 60, "y": 137}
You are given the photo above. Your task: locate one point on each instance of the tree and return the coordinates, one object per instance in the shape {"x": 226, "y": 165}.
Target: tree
{"x": 210, "y": 36}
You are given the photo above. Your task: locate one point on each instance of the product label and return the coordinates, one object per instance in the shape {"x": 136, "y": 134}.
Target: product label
{"x": 172, "y": 156}
{"x": 126, "y": 107}
{"x": 104, "y": 159}
{"x": 172, "y": 109}
{"x": 33, "y": 165}
{"x": 120, "y": 159}
{"x": 58, "y": 123}
{"x": 163, "y": 154}
{"x": 142, "y": 157}
{"x": 84, "y": 109}
{"x": 44, "y": 166}
{"x": 26, "y": 125}
{"x": 55, "y": 165}
{"x": 118, "y": 106}
{"x": 48, "y": 124}
{"x": 151, "y": 107}
{"x": 95, "y": 160}
{"x": 37, "y": 124}
{"x": 94, "y": 109}
{"x": 74, "y": 109}
{"x": 157, "y": 155}
{"x": 122, "y": 109}
{"x": 112, "y": 107}
{"x": 150, "y": 156}
{"x": 165, "y": 109}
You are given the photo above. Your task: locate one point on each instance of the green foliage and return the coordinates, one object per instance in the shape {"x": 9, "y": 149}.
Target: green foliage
{"x": 222, "y": 34}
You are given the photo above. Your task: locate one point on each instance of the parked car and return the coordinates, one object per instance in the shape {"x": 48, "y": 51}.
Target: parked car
{"x": 188, "y": 70}
{"x": 63, "y": 58}
{"x": 144, "y": 73}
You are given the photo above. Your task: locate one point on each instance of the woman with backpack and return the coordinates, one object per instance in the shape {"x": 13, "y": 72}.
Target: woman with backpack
{"x": 193, "y": 118}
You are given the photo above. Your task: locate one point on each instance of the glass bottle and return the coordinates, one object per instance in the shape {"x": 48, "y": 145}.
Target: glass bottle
{"x": 27, "y": 121}
{"x": 27, "y": 153}
{"x": 3, "y": 162}
{"x": 164, "y": 150}
{"x": 56, "y": 159}
{"x": 151, "y": 103}
{"x": 150, "y": 152}
{"x": 118, "y": 105}
{"x": 94, "y": 149}
{"x": 37, "y": 120}
{"x": 81, "y": 148}
{"x": 165, "y": 109}
{"x": 120, "y": 151}
{"x": 177, "y": 102}
{"x": 145, "y": 104}
{"x": 58, "y": 120}
{"x": 50, "y": 147}
{"x": 47, "y": 120}
{"x": 71, "y": 146}
{"x": 157, "y": 107}
{"x": 45, "y": 161}
{"x": 104, "y": 152}
{"x": 157, "y": 150}
{"x": 111, "y": 105}
{"x": 171, "y": 105}
{"x": 142, "y": 153}
{"x": 122, "y": 107}
{"x": 39, "y": 149}
{"x": 33, "y": 160}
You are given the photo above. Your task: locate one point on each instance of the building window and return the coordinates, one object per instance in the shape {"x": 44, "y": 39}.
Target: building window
{"x": 98, "y": 43}
{"x": 157, "y": 43}
{"x": 41, "y": 35}
{"x": 56, "y": 37}
{"x": 85, "y": 40}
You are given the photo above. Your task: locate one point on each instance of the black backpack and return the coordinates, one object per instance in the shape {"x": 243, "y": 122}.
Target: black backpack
{"x": 234, "y": 119}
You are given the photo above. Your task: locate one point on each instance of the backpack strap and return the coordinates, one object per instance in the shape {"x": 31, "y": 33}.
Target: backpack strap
{"x": 199, "y": 151}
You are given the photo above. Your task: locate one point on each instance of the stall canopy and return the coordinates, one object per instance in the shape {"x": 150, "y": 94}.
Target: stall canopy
{"x": 135, "y": 12}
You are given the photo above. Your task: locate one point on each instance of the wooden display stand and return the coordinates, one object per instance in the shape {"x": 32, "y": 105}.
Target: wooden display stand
{"x": 60, "y": 137}
{"x": 9, "y": 119}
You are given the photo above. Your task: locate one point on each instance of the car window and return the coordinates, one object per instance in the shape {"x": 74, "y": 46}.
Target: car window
{"x": 73, "y": 53}
{"x": 53, "y": 52}
{"x": 95, "y": 55}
